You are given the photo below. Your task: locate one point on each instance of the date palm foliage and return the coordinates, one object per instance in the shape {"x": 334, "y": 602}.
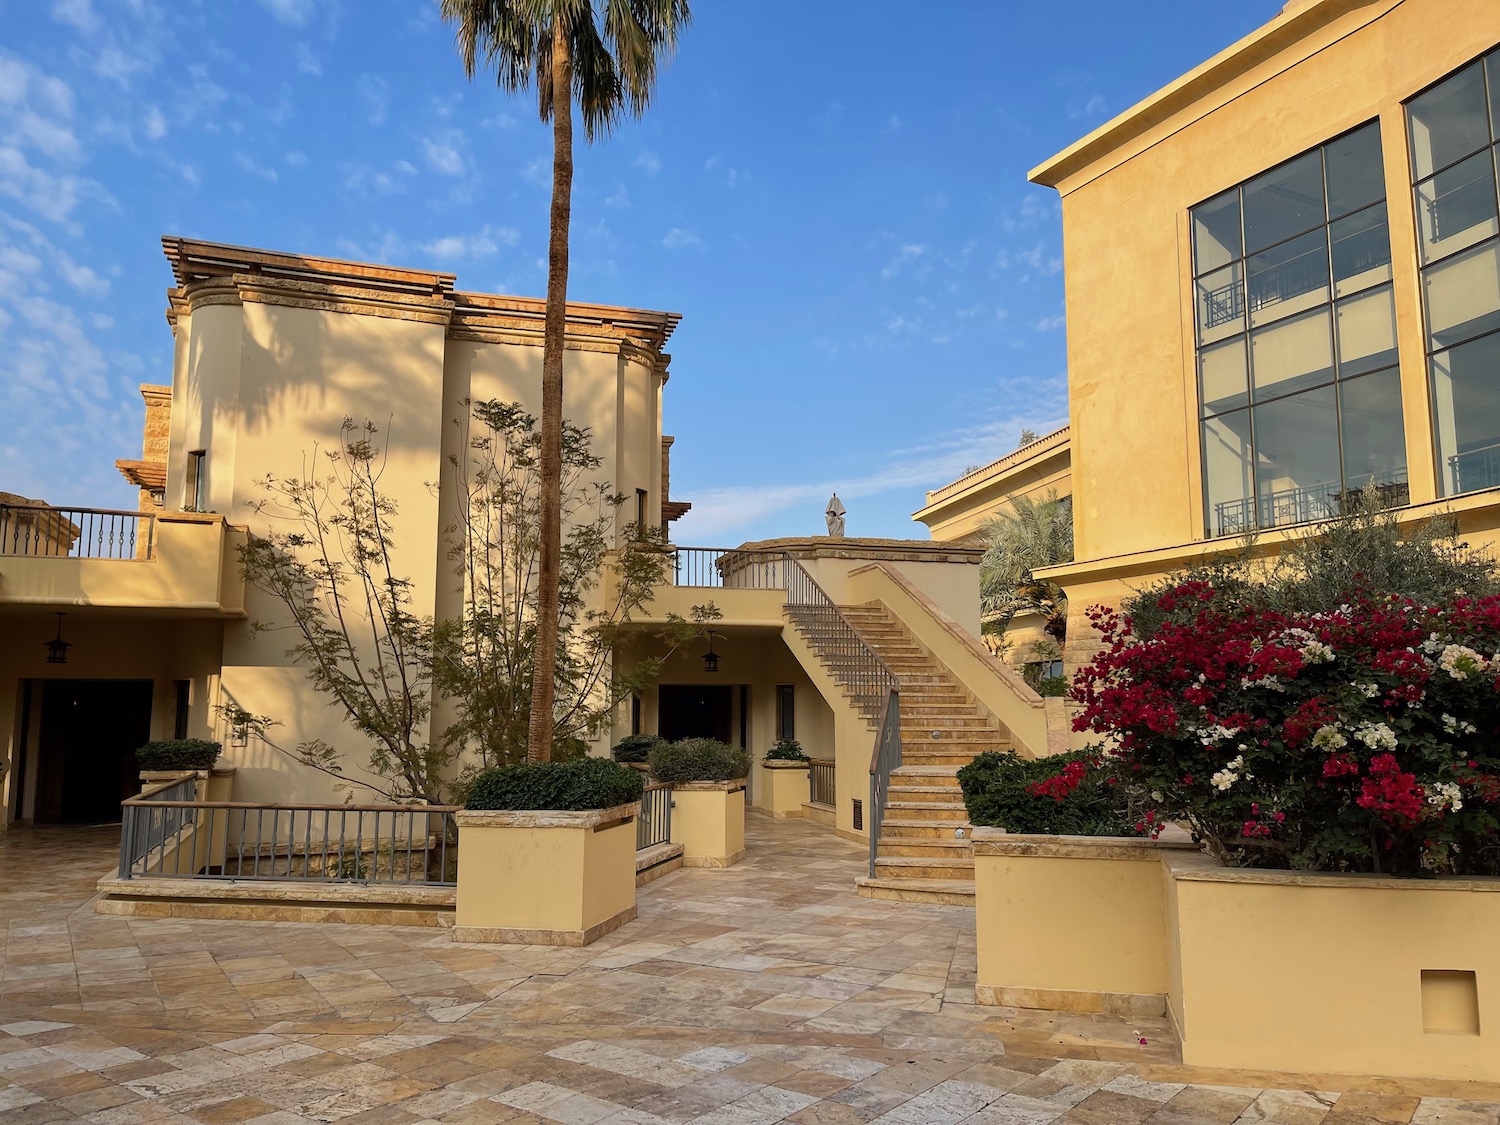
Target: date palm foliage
{"x": 604, "y": 55}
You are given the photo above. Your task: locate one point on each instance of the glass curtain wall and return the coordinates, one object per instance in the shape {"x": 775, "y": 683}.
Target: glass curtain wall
{"x": 1299, "y": 389}
{"x": 1454, "y": 128}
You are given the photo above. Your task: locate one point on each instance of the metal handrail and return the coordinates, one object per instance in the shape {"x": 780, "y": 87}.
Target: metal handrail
{"x": 856, "y": 665}
{"x": 820, "y": 782}
{"x": 886, "y": 757}
{"x": 726, "y": 568}
{"x": 167, "y": 836}
{"x": 43, "y": 531}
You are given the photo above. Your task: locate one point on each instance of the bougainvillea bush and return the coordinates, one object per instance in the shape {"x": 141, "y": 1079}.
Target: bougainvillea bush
{"x": 1074, "y": 794}
{"x": 1363, "y": 737}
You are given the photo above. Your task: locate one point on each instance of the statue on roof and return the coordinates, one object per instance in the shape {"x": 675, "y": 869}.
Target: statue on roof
{"x": 834, "y": 513}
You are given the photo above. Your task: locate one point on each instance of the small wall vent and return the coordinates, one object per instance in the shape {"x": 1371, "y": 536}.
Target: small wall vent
{"x": 859, "y": 814}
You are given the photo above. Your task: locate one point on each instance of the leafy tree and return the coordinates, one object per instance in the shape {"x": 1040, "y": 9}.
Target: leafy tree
{"x": 604, "y": 53}
{"x": 486, "y": 660}
{"x": 1033, "y": 534}
{"x": 1027, "y": 437}
{"x": 331, "y": 563}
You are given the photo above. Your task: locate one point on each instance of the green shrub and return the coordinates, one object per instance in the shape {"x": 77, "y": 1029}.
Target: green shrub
{"x": 586, "y": 783}
{"x": 698, "y": 759}
{"x": 786, "y": 750}
{"x": 178, "y": 754}
{"x": 1073, "y": 794}
{"x": 636, "y": 748}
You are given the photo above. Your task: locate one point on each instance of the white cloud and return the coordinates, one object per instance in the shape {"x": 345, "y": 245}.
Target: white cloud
{"x": 52, "y": 196}
{"x": 1051, "y": 323}
{"x": 296, "y": 158}
{"x": 307, "y": 62}
{"x": 375, "y": 92}
{"x": 443, "y": 153}
{"x": 536, "y": 171}
{"x": 293, "y": 13}
{"x": 361, "y": 179}
{"x": 267, "y": 174}
{"x": 649, "y": 162}
{"x": 906, "y": 254}
{"x": 483, "y": 244}
{"x": 618, "y": 198}
{"x": 679, "y": 239}
{"x": 156, "y": 124}
{"x": 75, "y": 13}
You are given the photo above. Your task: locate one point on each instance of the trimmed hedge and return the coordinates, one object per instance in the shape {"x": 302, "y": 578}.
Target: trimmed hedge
{"x": 698, "y": 759}
{"x": 1067, "y": 794}
{"x": 586, "y": 783}
{"x": 636, "y": 748}
{"x": 178, "y": 754}
{"x": 786, "y": 750}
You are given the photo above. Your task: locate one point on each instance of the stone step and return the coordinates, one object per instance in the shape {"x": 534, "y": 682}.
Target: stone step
{"x": 910, "y": 827}
{"x": 927, "y": 810}
{"x": 921, "y": 794}
{"x": 928, "y": 847}
{"x": 945, "y": 892}
{"x": 920, "y": 867}
{"x": 925, "y": 775}
{"x": 935, "y": 758}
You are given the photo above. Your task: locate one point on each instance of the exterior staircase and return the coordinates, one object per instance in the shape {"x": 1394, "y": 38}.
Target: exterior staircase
{"x": 920, "y": 855}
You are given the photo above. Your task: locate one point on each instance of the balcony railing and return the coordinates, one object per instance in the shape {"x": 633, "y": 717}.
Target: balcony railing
{"x": 167, "y": 834}
{"x": 726, "y": 568}
{"x": 1475, "y": 468}
{"x": 1325, "y": 500}
{"x": 40, "y": 531}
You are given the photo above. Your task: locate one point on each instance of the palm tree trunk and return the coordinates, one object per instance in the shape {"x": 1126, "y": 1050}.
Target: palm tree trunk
{"x": 543, "y": 675}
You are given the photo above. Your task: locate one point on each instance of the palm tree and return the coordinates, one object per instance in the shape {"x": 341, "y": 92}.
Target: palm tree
{"x": 605, "y": 54}
{"x": 1032, "y": 535}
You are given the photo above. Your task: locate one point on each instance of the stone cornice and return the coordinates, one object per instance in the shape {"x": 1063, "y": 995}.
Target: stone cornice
{"x": 876, "y": 550}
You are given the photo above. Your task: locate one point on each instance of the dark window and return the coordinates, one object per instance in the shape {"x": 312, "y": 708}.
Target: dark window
{"x": 1455, "y": 141}
{"x": 786, "y": 711}
{"x": 196, "y": 493}
{"x": 641, "y": 497}
{"x": 180, "y": 716}
{"x": 635, "y": 714}
{"x": 1293, "y": 299}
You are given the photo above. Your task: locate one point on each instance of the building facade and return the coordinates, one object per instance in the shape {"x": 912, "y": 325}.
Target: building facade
{"x": 1283, "y": 290}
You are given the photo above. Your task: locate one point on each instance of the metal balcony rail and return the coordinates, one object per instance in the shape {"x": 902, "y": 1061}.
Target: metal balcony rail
{"x": 886, "y": 758}
{"x": 820, "y": 790}
{"x": 169, "y": 835}
{"x": 853, "y": 662}
{"x": 1353, "y": 254}
{"x": 1309, "y": 503}
{"x": 654, "y": 825}
{"x": 1463, "y": 205}
{"x": 1475, "y": 468}
{"x": 726, "y": 568}
{"x": 39, "y": 531}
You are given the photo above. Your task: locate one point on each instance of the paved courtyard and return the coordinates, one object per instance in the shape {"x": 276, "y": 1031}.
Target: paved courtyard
{"x": 765, "y": 993}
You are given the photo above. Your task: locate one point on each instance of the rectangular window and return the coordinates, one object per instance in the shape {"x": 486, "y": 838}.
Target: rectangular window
{"x": 1455, "y": 142}
{"x": 184, "y": 690}
{"x": 1292, "y": 287}
{"x": 786, "y": 711}
{"x": 641, "y": 498}
{"x": 195, "y": 494}
{"x": 635, "y": 714}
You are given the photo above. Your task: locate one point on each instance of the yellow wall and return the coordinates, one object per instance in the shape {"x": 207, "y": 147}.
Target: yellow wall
{"x": 708, "y": 820}
{"x": 784, "y": 788}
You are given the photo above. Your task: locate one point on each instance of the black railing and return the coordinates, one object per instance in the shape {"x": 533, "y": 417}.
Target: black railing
{"x": 79, "y": 533}
{"x": 654, "y": 825}
{"x": 726, "y": 568}
{"x": 820, "y": 790}
{"x": 1307, "y": 504}
{"x": 1475, "y": 468}
{"x": 886, "y": 758}
{"x": 856, "y": 665}
{"x": 1466, "y": 205}
{"x": 164, "y": 837}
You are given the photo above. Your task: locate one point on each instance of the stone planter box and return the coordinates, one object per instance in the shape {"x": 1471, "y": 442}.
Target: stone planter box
{"x": 785, "y": 787}
{"x": 1260, "y": 970}
{"x": 1071, "y": 923}
{"x": 708, "y": 820}
{"x": 545, "y": 878}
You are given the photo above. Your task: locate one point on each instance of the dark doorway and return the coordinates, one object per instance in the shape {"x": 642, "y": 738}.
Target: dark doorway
{"x": 695, "y": 712}
{"x": 89, "y": 732}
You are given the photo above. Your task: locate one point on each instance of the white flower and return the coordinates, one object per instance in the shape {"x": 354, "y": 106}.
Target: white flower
{"x": 1270, "y": 683}
{"x": 1329, "y": 738}
{"x": 1457, "y": 726}
{"x": 1432, "y": 644}
{"x": 1369, "y": 691}
{"x": 1445, "y": 793}
{"x": 1213, "y": 734}
{"x": 1224, "y": 779}
{"x": 1377, "y": 736}
{"x": 1316, "y": 652}
{"x": 1461, "y": 661}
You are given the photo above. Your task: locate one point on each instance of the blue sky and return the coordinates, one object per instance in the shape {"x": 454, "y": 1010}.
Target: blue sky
{"x": 872, "y": 292}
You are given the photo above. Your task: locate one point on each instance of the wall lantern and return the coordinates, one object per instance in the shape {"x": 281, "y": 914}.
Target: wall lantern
{"x": 710, "y": 658}
{"x": 57, "y": 650}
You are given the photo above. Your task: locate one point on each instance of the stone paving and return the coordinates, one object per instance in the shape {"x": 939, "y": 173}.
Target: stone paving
{"x": 768, "y": 992}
